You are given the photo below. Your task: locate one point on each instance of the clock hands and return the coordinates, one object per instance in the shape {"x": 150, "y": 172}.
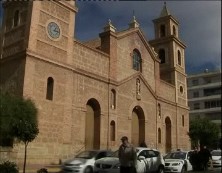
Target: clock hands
{"x": 56, "y": 30}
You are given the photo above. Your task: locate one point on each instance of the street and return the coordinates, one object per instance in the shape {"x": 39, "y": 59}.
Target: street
{"x": 210, "y": 170}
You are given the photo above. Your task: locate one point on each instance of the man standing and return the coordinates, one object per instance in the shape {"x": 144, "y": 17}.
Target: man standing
{"x": 205, "y": 156}
{"x": 194, "y": 160}
{"x": 127, "y": 156}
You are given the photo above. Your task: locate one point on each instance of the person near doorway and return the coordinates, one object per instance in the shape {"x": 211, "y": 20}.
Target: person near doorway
{"x": 127, "y": 156}
{"x": 143, "y": 144}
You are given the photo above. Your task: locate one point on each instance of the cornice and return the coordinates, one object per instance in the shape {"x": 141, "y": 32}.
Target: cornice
{"x": 167, "y": 39}
{"x": 163, "y": 19}
{"x": 67, "y": 5}
{"x": 17, "y": 55}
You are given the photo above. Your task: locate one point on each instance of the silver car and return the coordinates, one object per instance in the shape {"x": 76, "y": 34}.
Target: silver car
{"x": 84, "y": 161}
{"x": 177, "y": 161}
{"x": 216, "y": 158}
{"x": 148, "y": 160}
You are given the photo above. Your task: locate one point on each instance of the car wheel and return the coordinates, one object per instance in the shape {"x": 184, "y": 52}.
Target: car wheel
{"x": 160, "y": 170}
{"x": 183, "y": 169}
{"x": 88, "y": 170}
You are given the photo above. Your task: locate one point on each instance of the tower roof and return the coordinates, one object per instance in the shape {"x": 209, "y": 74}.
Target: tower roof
{"x": 165, "y": 11}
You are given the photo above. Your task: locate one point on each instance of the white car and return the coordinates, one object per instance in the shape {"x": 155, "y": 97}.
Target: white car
{"x": 84, "y": 161}
{"x": 149, "y": 160}
{"x": 216, "y": 158}
{"x": 178, "y": 161}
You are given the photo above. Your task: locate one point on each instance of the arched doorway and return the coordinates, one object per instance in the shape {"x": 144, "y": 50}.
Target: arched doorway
{"x": 138, "y": 126}
{"x": 92, "y": 125}
{"x": 168, "y": 134}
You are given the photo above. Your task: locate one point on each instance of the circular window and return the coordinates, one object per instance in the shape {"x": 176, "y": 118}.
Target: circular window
{"x": 181, "y": 89}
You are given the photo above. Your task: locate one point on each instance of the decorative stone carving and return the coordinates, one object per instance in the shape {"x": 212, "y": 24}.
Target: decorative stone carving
{"x": 138, "y": 89}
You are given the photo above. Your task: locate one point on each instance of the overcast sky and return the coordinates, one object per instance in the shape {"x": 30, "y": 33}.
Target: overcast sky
{"x": 199, "y": 25}
{"x": 199, "y": 29}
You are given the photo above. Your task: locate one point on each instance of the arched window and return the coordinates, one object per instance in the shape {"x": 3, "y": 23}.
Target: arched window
{"x": 16, "y": 18}
{"x": 159, "y": 110}
{"x": 179, "y": 57}
{"x": 112, "y": 131}
{"x": 50, "y": 85}
{"x": 113, "y": 99}
{"x": 162, "y": 56}
{"x": 162, "y": 31}
{"x": 174, "y": 30}
{"x": 159, "y": 135}
{"x": 183, "y": 120}
{"x": 137, "y": 61}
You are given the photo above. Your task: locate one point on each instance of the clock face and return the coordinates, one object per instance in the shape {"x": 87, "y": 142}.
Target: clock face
{"x": 53, "y": 30}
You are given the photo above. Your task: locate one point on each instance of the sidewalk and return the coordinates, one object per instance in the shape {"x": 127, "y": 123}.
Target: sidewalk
{"x": 34, "y": 168}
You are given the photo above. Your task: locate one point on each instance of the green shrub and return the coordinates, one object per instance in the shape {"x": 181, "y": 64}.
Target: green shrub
{"x": 8, "y": 167}
{"x": 42, "y": 170}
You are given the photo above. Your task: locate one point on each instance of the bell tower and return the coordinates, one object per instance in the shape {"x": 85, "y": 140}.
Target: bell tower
{"x": 40, "y": 29}
{"x": 45, "y": 27}
{"x": 171, "y": 52}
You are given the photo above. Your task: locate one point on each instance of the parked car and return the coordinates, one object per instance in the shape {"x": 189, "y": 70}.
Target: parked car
{"x": 84, "y": 161}
{"x": 178, "y": 161}
{"x": 148, "y": 160}
{"x": 216, "y": 158}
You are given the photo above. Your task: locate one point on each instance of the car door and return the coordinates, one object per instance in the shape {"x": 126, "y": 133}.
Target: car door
{"x": 156, "y": 160}
{"x": 142, "y": 164}
{"x": 152, "y": 159}
{"x": 189, "y": 166}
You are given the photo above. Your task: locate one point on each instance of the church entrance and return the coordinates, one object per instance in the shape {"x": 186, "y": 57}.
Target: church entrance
{"x": 92, "y": 125}
{"x": 138, "y": 126}
{"x": 168, "y": 135}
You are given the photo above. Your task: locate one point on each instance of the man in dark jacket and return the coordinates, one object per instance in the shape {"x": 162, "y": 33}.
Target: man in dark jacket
{"x": 127, "y": 156}
{"x": 205, "y": 156}
{"x": 194, "y": 160}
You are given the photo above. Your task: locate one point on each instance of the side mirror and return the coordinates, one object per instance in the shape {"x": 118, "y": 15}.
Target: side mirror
{"x": 141, "y": 158}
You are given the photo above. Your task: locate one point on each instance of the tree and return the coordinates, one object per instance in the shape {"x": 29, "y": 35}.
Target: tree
{"x": 203, "y": 132}
{"x": 18, "y": 120}
{"x": 6, "y": 115}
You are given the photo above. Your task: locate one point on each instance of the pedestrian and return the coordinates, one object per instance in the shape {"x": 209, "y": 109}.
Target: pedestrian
{"x": 143, "y": 144}
{"x": 205, "y": 157}
{"x": 127, "y": 156}
{"x": 194, "y": 160}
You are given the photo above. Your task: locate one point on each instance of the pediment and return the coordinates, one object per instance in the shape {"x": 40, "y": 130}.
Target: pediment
{"x": 142, "y": 80}
{"x": 144, "y": 41}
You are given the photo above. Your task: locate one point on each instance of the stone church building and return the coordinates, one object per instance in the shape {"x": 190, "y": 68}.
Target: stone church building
{"x": 89, "y": 95}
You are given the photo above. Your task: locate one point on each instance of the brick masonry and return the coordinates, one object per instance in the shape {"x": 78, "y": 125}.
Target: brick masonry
{"x": 85, "y": 75}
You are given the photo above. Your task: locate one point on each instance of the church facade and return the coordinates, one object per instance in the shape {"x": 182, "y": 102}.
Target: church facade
{"x": 89, "y": 95}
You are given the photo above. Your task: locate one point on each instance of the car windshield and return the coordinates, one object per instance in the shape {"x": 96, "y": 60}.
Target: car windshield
{"x": 114, "y": 154}
{"x": 216, "y": 153}
{"x": 87, "y": 154}
{"x": 176, "y": 155}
